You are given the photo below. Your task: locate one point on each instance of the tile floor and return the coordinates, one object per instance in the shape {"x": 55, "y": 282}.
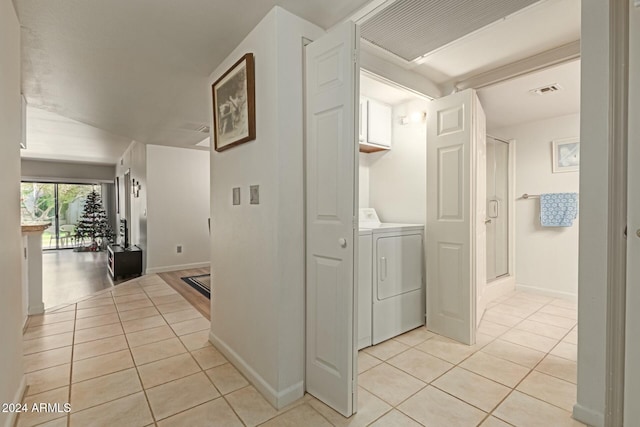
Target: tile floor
{"x": 138, "y": 355}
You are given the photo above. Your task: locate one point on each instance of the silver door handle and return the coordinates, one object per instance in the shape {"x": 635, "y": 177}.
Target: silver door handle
{"x": 342, "y": 242}
{"x": 495, "y": 208}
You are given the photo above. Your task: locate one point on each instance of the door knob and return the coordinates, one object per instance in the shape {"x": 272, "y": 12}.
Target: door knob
{"x": 487, "y": 221}
{"x": 342, "y": 242}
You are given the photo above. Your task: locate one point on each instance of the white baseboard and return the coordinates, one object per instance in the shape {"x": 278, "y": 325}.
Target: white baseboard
{"x": 277, "y": 399}
{"x": 588, "y": 416}
{"x": 22, "y": 388}
{"x": 168, "y": 268}
{"x": 547, "y": 292}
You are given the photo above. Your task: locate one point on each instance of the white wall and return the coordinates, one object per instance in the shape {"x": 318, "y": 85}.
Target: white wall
{"x": 546, "y": 258}
{"x": 11, "y": 371}
{"x": 66, "y": 171}
{"x": 178, "y": 208}
{"x": 594, "y": 194}
{"x": 257, "y": 259}
{"x": 363, "y": 180}
{"x": 398, "y": 178}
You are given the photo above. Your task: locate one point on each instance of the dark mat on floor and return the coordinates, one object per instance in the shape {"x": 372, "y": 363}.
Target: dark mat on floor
{"x": 201, "y": 283}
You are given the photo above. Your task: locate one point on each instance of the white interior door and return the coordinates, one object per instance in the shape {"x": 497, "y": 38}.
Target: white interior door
{"x": 454, "y": 169}
{"x": 632, "y": 367}
{"x": 332, "y": 86}
{"x": 479, "y": 186}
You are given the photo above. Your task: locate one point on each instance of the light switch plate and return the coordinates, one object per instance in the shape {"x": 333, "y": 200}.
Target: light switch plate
{"x": 236, "y": 195}
{"x": 254, "y": 194}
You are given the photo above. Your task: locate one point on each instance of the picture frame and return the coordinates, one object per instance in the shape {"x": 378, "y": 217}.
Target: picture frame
{"x": 234, "y": 105}
{"x": 117, "y": 186}
{"x": 565, "y": 155}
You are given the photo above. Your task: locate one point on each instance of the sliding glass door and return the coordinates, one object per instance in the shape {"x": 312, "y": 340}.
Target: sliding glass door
{"x": 497, "y": 208}
{"x": 59, "y": 204}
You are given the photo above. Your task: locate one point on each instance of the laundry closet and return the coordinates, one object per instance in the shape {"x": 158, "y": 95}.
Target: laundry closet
{"x": 392, "y": 202}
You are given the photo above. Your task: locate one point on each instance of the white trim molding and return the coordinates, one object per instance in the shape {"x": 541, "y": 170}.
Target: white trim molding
{"x": 588, "y": 416}
{"x": 22, "y": 389}
{"x": 165, "y": 269}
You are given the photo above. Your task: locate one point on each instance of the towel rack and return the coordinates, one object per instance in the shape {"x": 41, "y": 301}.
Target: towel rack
{"x": 530, "y": 196}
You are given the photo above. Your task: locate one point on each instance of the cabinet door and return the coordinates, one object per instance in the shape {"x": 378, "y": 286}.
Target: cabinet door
{"x": 378, "y": 123}
{"x": 362, "y": 120}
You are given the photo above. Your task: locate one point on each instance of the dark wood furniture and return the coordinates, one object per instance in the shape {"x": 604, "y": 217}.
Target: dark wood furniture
{"x": 124, "y": 261}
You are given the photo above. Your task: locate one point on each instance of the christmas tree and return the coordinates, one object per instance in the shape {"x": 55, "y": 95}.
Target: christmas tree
{"x": 93, "y": 222}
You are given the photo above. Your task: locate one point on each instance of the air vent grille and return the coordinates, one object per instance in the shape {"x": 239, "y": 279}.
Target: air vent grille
{"x": 412, "y": 28}
{"x": 546, "y": 89}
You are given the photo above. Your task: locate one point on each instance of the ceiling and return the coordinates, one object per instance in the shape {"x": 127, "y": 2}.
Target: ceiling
{"x": 115, "y": 71}
{"x": 136, "y": 69}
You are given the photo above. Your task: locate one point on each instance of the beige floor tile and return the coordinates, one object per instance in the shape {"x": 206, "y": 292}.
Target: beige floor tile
{"x": 301, "y": 415}
{"x": 158, "y": 350}
{"x": 167, "y": 299}
{"x": 472, "y": 388}
{"x": 137, "y": 296}
{"x": 176, "y": 396}
{"x": 134, "y": 305}
{"x": 250, "y": 406}
{"x": 389, "y": 383}
{"x": 501, "y": 319}
{"x": 158, "y": 287}
{"x": 527, "y": 339}
{"x": 216, "y": 413}
{"x": 543, "y": 329}
{"x": 92, "y": 334}
{"x": 168, "y": 369}
{"x": 174, "y": 306}
{"x": 525, "y": 411}
{"x": 191, "y": 326}
{"x": 572, "y": 337}
{"x": 48, "y": 379}
{"x": 95, "y": 311}
{"x": 99, "y": 347}
{"x": 149, "y": 336}
{"x": 95, "y": 321}
{"x": 387, "y": 349}
{"x": 138, "y": 314}
{"x": 161, "y": 292}
{"x": 61, "y": 308}
{"x": 433, "y": 407}
{"x": 494, "y": 422}
{"x": 559, "y": 367}
{"x": 226, "y": 378}
{"x": 492, "y": 329}
{"x": 101, "y": 365}
{"x": 421, "y": 365}
{"x": 570, "y": 313}
{"x": 549, "y": 389}
{"x": 98, "y": 302}
{"x": 208, "y": 357}
{"x": 446, "y": 349}
{"x": 366, "y": 361}
{"x": 550, "y": 319}
{"x": 50, "y": 329}
{"x": 47, "y": 343}
{"x": 182, "y": 315}
{"x": 196, "y": 340}
{"x": 128, "y": 411}
{"x": 415, "y": 337}
{"x": 132, "y": 289}
{"x": 143, "y": 323}
{"x": 395, "y": 418}
{"x": 103, "y": 389}
{"x": 565, "y": 303}
{"x": 45, "y": 319}
{"x": 31, "y": 418}
{"x": 60, "y": 422}
{"x": 47, "y": 359}
{"x": 496, "y": 369}
{"x": 370, "y": 408}
{"x": 566, "y": 350}
{"x": 514, "y": 353}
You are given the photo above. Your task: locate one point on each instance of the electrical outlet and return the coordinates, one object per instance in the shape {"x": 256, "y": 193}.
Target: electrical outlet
{"x": 254, "y": 194}
{"x": 179, "y": 249}
{"x": 236, "y": 195}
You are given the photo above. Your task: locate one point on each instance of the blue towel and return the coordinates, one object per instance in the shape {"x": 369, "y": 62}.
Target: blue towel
{"x": 558, "y": 209}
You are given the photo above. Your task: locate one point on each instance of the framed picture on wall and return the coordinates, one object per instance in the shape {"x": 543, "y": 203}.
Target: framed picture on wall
{"x": 565, "y": 155}
{"x": 117, "y": 185}
{"x": 234, "y": 105}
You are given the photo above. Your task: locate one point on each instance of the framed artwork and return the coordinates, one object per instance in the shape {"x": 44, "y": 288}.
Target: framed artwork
{"x": 117, "y": 185}
{"x": 566, "y": 155}
{"x": 234, "y": 105}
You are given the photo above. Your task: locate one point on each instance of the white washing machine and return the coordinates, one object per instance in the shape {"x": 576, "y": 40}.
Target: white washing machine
{"x": 397, "y": 276}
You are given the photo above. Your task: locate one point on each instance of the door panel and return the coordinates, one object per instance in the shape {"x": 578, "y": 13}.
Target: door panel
{"x": 331, "y": 72}
{"x": 455, "y": 130}
{"x": 399, "y": 265}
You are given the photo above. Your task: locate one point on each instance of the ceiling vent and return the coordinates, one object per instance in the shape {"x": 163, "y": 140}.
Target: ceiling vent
{"x": 546, "y": 89}
{"x": 411, "y": 29}
{"x": 195, "y": 127}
